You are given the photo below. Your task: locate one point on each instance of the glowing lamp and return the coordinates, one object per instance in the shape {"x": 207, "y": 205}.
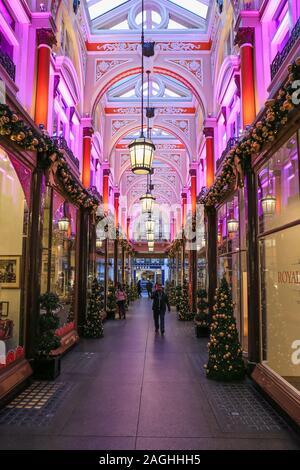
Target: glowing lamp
{"x": 141, "y": 152}
{"x": 98, "y": 243}
{"x": 232, "y": 226}
{"x": 150, "y": 244}
{"x": 147, "y": 201}
{"x": 268, "y": 204}
{"x": 149, "y": 226}
{"x": 150, "y": 237}
{"x": 63, "y": 224}
{"x": 150, "y": 249}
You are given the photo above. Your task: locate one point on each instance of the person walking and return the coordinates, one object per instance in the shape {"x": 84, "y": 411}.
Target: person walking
{"x": 139, "y": 288}
{"x": 149, "y": 287}
{"x": 159, "y": 306}
{"x": 121, "y": 300}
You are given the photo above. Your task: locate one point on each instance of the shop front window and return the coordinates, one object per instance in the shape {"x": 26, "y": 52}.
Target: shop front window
{"x": 63, "y": 254}
{"x": 232, "y": 259}
{"x": 280, "y": 299}
{"x": 278, "y": 188}
{"x": 14, "y": 202}
{"x": 280, "y": 262}
{"x": 59, "y": 252}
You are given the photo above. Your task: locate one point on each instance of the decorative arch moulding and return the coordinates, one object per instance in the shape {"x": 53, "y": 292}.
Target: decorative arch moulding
{"x": 132, "y": 46}
{"x": 196, "y": 91}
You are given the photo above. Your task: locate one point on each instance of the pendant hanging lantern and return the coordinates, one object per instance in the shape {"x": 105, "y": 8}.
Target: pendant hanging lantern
{"x": 147, "y": 201}
{"x": 150, "y": 237}
{"x": 268, "y": 204}
{"x": 142, "y": 149}
{"x": 141, "y": 152}
{"x": 63, "y": 224}
{"x": 232, "y": 226}
{"x": 150, "y": 225}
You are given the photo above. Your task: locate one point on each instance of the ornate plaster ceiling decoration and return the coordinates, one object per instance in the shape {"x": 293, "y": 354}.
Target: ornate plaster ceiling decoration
{"x": 104, "y": 66}
{"x": 116, "y": 125}
{"x": 192, "y": 65}
{"x": 181, "y": 124}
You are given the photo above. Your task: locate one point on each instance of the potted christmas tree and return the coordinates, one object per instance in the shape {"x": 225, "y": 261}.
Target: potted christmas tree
{"x": 111, "y": 303}
{"x": 201, "y": 318}
{"x": 225, "y": 361}
{"x": 133, "y": 292}
{"x": 93, "y": 327}
{"x": 178, "y": 291}
{"x": 45, "y": 365}
{"x": 184, "y": 305}
{"x": 127, "y": 290}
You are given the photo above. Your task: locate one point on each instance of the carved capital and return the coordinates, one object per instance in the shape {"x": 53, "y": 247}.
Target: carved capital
{"x": 88, "y": 132}
{"x": 45, "y": 37}
{"x": 244, "y": 36}
{"x": 106, "y": 172}
{"x": 193, "y": 172}
{"x": 208, "y": 132}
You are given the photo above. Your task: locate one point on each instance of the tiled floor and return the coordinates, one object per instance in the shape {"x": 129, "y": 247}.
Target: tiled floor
{"x": 133, "y": 389}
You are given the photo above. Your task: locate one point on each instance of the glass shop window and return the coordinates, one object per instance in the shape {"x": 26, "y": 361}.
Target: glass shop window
{"x": 228, "y": 225}
{"x": 63, "y": 256}
{"x": 232, "y": 258}
{"x": 14, "y": 217}
{"x": 110, "y": 260}
{"x": 59, "y": 252}
{"x": 278, "y": 188}
{"x": 280, "y": 300}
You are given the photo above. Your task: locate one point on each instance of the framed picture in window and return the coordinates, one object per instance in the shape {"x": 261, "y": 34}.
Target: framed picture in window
{"x": 10, "y": 272}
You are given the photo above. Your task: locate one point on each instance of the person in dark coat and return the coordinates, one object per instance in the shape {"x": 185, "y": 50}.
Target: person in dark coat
{"x": 139, "y": 288}
{"x": 159, "y": 306}
{"x": 149, "y": 287}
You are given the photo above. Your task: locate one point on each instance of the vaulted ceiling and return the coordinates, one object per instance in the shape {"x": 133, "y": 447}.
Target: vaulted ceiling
{"x": 181, "y": 31}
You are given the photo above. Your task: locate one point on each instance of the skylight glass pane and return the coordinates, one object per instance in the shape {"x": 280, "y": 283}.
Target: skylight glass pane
{"x": 172, "y": 93}
{"x": 128, "y": 94}
{"x": 103, "y": 6}
{"x": 156, "y": 18}
{"x": 174, "y": 25}
{"x": 138, "y": 19}
{"x": 123, "y": 25}
{"x": 194, "y": 6}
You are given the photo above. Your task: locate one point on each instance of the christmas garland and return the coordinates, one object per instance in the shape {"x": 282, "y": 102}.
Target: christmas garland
{"x": 15, "y": 129}
{"x": 262, "y": 132}
{"x": 175, "y": 246}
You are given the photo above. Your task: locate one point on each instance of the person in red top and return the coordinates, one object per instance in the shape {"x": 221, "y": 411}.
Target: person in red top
{"x": 121, "y": 300}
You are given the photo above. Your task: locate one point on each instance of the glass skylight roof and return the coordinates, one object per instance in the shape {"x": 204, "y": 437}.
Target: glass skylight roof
{"x": 156, "y": 133}
{"x": 114, "y": 15}
{"x": 194, "y": 6}
{"x": 121, "y": 26}
{"x": 161, "y": 88}
{"x": 102, "y": 6}
{"x": 175, "y": 25}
